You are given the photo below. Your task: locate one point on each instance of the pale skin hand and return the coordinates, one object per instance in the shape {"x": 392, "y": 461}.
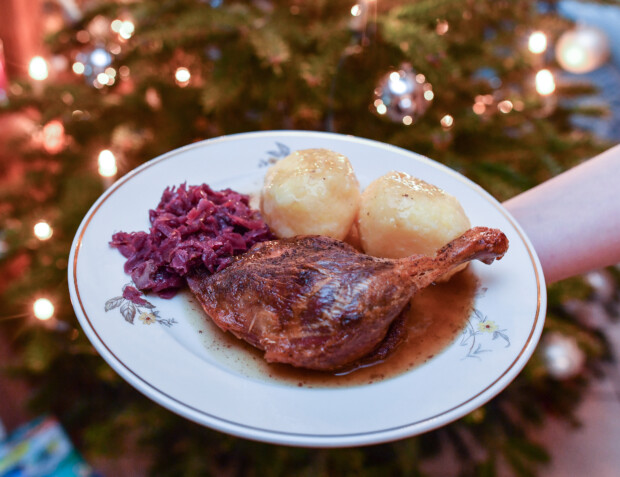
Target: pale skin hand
{"x": 573, "y": 220}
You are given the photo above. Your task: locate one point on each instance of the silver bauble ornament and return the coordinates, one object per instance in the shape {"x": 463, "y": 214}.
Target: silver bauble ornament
{"x": 403, "y": 95}
{"x": 95, "y": 62}
{"x": 603, "y": 285}
{"x": 562, "y": 356}
{"x": 582, "y": 50}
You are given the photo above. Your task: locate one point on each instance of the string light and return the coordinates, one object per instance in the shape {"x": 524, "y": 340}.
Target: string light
{"x": 107, "y": 164}
{"x": 447, "y": 121}
{"x": 43, "y": 309}
{"x": 116, "y": 25}
{"x": 115, "y": 49}
{"x": 442, "y": 27}
{"x": 537, "y": 42}
{"x": 78, "y": 68}
{"x": 82, "y": 36}
{"x": 43, "y": 230}
{"x": 397, "y": 84}
{"x": 545, "y": 83}
{"x": 479, "y": 107}
{"x": 53, "y": 134}
{"x": 505, "y": 106}
{"x": 360, "y": 14}
{"x": 103, "y": 78}
{"x": 100, "y": 58}
{"x": 126, "y": 30}
{"x": 182, "y": 76}
{"x": 37, "y": 69}
{"x": 124, "y": 71}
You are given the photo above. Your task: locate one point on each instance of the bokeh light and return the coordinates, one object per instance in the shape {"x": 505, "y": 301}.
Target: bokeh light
{"x": 43, "y": 309}
{"x": 37, "y": 68}
{"x": 107, "y": 164}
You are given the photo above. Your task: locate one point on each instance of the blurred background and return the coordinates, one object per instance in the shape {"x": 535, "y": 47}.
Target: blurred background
{"x": 508, "y": 93}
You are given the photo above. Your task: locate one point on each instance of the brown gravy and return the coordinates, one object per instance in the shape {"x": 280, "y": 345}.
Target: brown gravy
{"x": 436, "y": 317}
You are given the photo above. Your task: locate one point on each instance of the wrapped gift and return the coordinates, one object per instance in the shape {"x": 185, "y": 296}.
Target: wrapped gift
{"x": 41, "y": 448}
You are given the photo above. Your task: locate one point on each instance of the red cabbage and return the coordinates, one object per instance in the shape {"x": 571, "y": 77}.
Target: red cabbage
{"x": 191, "y": 227}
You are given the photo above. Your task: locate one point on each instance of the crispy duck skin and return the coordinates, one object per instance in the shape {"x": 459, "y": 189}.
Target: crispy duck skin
{"x": 317, "y": 303}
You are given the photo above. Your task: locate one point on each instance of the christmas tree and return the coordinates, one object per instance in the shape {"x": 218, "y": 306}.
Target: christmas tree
{"x": 469, "y": 83}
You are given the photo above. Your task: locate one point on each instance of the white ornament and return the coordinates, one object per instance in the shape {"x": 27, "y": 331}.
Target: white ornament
{"x": 562, "y": 356}
{"x": 582, "y": 50}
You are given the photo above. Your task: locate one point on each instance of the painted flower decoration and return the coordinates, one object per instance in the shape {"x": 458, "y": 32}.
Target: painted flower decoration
{"x": 479, "y": 333}
{"x": 131, "y": 303}
{"x": 147, "y": 318}
{"x": 487, "y": 326}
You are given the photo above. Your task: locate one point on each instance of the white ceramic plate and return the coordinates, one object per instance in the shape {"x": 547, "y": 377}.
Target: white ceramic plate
{"x": 165, "y": 356}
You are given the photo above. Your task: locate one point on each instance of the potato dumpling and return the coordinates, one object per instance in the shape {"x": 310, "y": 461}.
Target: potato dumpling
{"x": 401, "y": 215}
{"x": 311, "y": 191}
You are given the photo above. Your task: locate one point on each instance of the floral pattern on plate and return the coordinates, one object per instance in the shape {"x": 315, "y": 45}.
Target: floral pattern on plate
{"x": 282, "y": 151}
{"x": 478, "y": 332}
{"x": 140, "y": 307}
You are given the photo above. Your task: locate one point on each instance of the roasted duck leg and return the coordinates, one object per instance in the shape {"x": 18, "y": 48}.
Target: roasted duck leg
{"x": 317, "y": 303}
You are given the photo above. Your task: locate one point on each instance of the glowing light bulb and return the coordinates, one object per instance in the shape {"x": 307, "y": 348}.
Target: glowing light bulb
{"x": 479, "y": 107}
{"x": 103, "y": 78}
{"x": 78, "y": 68}
{"x": 397, "y": 85}
{"x": 505, "y": 106}
{"x": 407, "y": 120}
{"x": 42, "y": 230}
{"x": 442, "y": 27}
{"x": 428, "y": 95}
{"x": 43, "y": 309}
{"x": 100, "y": 58}
{"x": 126, "y": 30}
{"x": 116, "y": 25}
{"x": 447, "y": 121}
{"x": 182, "y": 76}
{"x": 356, "y": 10}
{"x": 37, "y": 69}
{"x": 107, "y": 164}
{"x": 53, "y": 136}
{"x": 537, "y": 42}
{"x": 545, "y": 83}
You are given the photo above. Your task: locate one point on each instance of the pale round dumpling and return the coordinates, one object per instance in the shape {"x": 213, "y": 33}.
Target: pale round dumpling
{"x": 310, "y": 192}
{"x": 401, "y": 215}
